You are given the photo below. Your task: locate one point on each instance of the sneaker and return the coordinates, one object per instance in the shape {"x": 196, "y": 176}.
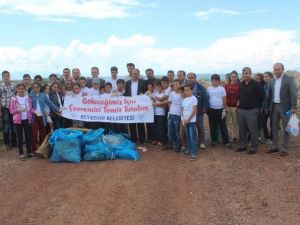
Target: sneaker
{"x": 31, "y": 155}
{"x": 228, "y": 145}
{"x": 202, "y": 146}
{"x": 182, "y": 149}
{"x": 193, "y": 157}
{"x": 186, "y": 152}
{"x": 268, "y": 142}
{"x": 22, "y": 157}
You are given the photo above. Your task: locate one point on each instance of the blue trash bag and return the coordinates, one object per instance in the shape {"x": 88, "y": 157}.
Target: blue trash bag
{"x": 66, "y": 146}
{"x": 126, "y": 144}
{"x": 127, "y": 154}
{"x": 93, "y": 136}
{"x": 113, "y": 139}
{"x": 98, "y": 152}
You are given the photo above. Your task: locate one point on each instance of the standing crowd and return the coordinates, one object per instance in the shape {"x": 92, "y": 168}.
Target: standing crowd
{"x": 245, "y": 110}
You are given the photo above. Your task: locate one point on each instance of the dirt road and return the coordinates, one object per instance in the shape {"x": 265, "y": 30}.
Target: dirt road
{"x": 220, "y": 187}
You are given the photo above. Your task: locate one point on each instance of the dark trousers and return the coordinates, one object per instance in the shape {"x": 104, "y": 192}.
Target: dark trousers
{"x": 215, "y": 122}
{"x": 9, "y": 133}
{"x": 264, "y": 118}
{"x": 67, "y": 123}
{"x": 159, "y": 128}
{"x": 150, "y": 131}
{"x": 27, "y": 131}
{"x": 57, "y": 122}
{"x": 135, "y": 129}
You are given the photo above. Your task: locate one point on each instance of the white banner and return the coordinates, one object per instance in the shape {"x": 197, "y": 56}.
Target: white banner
{"x": 137, "y": 109}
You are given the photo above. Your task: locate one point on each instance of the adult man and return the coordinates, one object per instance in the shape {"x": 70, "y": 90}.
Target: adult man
{"x": 181, "y": 77}
{"x": 95, "y": 74}
{"x": 130, "y": 68}
{"x": 200, "y": 93}
{"x": 7, "y": 91}
{"x": 232, "y": 95}
{"x": 27, "y": 82}
{"x": 76, "y": 74}
{"x": 66, "y": 76}
{"x": 251, "y": 96}
{"x": 150, "y": 74}
{"x": 52, "y": 78}
{"x": 114, "y": 77}
{"x": 134, "y": 87}
{"x": 171, "y": 75}
{"x": 282, "y": 98}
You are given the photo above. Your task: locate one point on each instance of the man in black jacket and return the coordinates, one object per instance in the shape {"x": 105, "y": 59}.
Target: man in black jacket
{"x": 133, "y": 87}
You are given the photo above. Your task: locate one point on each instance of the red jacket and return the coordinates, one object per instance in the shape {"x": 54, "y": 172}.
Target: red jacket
{"x": 232, "y": 94}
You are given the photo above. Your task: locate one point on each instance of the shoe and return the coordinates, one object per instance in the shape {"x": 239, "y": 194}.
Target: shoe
{"x": 213, "y": 144}
{"x": 31, "y": 155}
{"x": 22, "y": 157}
{"x": 273, "y": 150}
{"x": 186, "y": 152}
{"x": 228, "y": 145}
{"x": 202, "y": 146}
{"x": 268, "y": 142}
{"x": 182, "y": 149}
{"x": 251, "y": 152}
{"x": 193, "y": 157}
{"x": 241, "y": 149}
{"x": 168, "y": 147}
{"x": 283, "y": 153}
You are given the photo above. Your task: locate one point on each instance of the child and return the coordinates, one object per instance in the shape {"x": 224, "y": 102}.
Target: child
{"x": 159, "y": 114}
{"x": 217, "y": 111}
{"x": 189, "y": 111}
{"x": 56, "y": 99}
{"x": 69, "y": 87}
{"x": 150, "y": 126}
{"x": 21, "y": 109}
{"x": 174, "y": 118}
{"x": 95, "y": 89}
{"x": 265, "y": 111}
{"x": 120, "y": 88}
{"x": 84, "y": 90}
{"x": 39, "y": 101}
{"x": 76, "y": 92}
{"x": 46, "y": 89}
{"x": 107, "y": 89}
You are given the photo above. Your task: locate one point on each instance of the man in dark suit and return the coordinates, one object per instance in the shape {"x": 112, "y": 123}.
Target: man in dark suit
{"x": 95, "y": 74}
{"x": 133, "y": 87}
{"x": 282, "y": 99}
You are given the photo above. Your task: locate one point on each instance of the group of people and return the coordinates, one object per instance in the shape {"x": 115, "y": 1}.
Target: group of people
{"x": 244, "y": 110}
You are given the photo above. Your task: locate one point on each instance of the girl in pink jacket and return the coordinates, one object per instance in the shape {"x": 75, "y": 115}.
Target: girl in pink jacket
{"x": 21, "y": 109}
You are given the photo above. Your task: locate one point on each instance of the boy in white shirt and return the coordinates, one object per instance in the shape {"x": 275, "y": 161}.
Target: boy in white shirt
{"x": 217, "y": 111}
{"x": 189, "y": 111}
{"x": 95, "y": 89}
{"x": 159, "y": 114}
{"x": 84, "y": 90}
{"x": 174, "y": 117}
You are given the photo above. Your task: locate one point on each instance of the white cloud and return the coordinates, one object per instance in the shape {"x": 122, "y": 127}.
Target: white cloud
{"x": 259, "y": 49}
{"x": 66, "y": 10}
{"x": 205, "y": 15}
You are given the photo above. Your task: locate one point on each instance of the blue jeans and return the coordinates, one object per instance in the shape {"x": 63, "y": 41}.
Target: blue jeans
{"x": 173, "y": 130}
{"x": 190, "y": 132}
{"x": 9, "y": 132}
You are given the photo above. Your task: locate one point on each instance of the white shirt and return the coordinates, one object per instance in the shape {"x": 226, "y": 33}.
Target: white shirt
{"x": 69, "y": 93}
{"x": 168, "y": 91}
{"x": 134, "y": 88}
{"x": 23, "y": 101}
{"x": 188, "y": 104}
{"x": 176, "y": 102}
{"x": 277, "y": 87}
{"x": 38, "y": 108}
{"x": 216, "y": 95}
{"x": 84, "y": 90}
{"x": 93, "y": 91}
{"x": 158, "y": 110}
{"x": 59, "y": 100}
{"x": 113, "y": 82}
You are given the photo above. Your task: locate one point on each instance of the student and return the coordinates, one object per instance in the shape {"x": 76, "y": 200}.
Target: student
{"x": 217, "y": 111}
{"x": 56, "y": 99}
{"x": 49, "y": 124}
{"x": 232, "y": 94}
{"x": 159, "y": 114}
{"x": 95, "y": 89}
{"x": 189, "y": 111}
{"x": 114, "y": 77}
{"x": 120, "y": 88}
{"x": 7, "y": 91}
{"x": 150, "y": 126}
{"x": 27, "y": 82}
{"x": 84, "y": 90}
{"x": 21, "y": 109}
{"x": 76, "y": 92}
{"x": 69, "y": 87}
{"x": 174, "y": 117}
{"x": 107, "y": 89}
{"x": 265, "y": 111}
{"x": 39, "y": 120}
{"x": 259, "y": 77}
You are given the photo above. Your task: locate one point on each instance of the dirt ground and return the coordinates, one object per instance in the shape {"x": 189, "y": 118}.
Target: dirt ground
{"x": 163, "y": 188}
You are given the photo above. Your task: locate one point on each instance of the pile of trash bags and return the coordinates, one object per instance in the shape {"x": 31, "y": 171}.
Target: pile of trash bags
{"x": 73, "y": 146}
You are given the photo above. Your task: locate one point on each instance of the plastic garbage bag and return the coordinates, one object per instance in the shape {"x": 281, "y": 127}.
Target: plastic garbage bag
{"x": 127, "y": 154}
{"x": 98, "y": 152}
{"x": 93, "y": 136}
{"x": 66, "y": 146}
{"x": 113, "y": 139}
{"x": 293, "y": 126}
